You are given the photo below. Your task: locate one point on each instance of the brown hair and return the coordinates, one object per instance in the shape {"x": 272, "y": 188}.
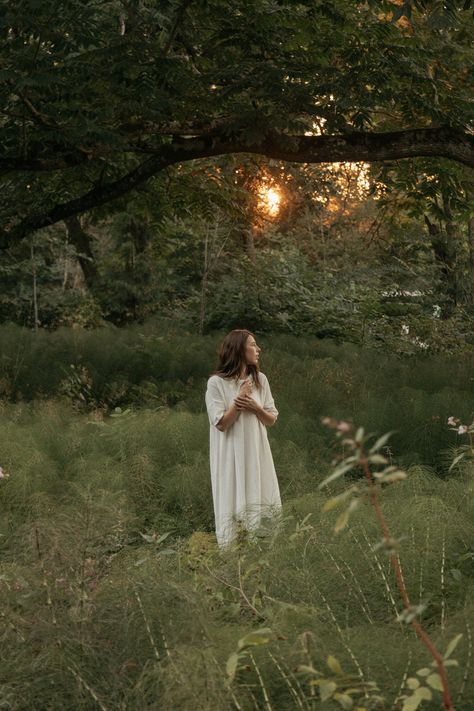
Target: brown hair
{"x": 232, "y": 356}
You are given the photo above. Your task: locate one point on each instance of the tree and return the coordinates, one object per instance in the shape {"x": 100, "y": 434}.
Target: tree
{"x": 97, "y": 97}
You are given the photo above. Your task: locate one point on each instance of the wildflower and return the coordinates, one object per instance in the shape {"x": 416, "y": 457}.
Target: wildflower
{"x": 344, "y": 426}
{"x": 462, "y": 429}
{"x": 453, "y": 421}
{"x": 3, "y": 474}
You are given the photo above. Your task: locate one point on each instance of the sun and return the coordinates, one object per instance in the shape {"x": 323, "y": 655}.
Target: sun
{"x": 273, "y": 201}
{"x": 270, "y": 200}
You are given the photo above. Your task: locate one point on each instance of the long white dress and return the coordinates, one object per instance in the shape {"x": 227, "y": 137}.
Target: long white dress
{"x": 243, "y": 477}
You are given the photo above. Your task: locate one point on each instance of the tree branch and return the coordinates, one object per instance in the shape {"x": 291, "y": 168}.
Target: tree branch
{"x": 355, "y": 147}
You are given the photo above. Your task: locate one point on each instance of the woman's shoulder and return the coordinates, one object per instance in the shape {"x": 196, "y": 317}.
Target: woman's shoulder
{"x": 215, "y": 379}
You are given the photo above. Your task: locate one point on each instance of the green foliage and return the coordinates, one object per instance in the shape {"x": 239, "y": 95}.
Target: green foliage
{"x": 111, "y": 599}
{"x": 113, "y": 591}
{"x": 157, "y": 366}
{"x": 86, "y": 98}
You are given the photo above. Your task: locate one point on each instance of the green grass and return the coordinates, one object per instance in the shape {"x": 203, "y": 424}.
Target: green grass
{"x": 114, "y": 595}
{"x": 153, "y": 366}
{"x": 98, "y": 612}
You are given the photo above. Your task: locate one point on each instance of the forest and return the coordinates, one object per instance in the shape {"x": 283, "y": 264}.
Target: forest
{"x": 174, "y": 169}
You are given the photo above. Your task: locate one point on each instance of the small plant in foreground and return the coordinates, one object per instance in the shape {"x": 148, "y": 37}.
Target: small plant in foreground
{"x": 465, "y": 450}
{"x": 342, "y": 687}
{"x": 367, "y": 459}
{"x": 76, "y": 387}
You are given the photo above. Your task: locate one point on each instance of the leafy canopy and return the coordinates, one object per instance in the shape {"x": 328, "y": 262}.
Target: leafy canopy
{"x": 96, "y": 97}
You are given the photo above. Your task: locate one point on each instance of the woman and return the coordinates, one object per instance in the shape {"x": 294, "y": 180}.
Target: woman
{"x": 240, "y": 408}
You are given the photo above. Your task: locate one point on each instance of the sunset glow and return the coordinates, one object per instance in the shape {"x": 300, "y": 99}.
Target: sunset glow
{"x": 269, "y": 201}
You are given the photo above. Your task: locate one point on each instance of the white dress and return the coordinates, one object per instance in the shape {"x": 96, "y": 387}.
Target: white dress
{"x": 243, "y": 477}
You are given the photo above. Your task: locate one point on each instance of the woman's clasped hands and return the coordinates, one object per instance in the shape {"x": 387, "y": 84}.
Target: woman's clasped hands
{"x": 244, "y": 400}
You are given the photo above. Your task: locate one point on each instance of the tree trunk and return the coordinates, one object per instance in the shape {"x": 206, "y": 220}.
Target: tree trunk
{"x": 470, "y": 239}
{"x": 82, "y": 242}
{"x": 205, "y": 275}
{"x": 452, "y": 239}
{"x": 35, "y": 288}
{"x": 445, "y": 254}
{"x": 249, "y": 238}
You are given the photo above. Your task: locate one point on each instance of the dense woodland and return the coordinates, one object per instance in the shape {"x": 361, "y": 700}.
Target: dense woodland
{"x": 173, "y": 169}
{"x": 144, "y": 139}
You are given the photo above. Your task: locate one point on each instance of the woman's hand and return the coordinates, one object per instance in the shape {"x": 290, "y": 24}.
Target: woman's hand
{"x": 242, "y": 399}
{"x": 245, "y": 402}
{"x": 236, "y": 407}
{"x": 245, "y": 388}
{"x": 248, "y": 404}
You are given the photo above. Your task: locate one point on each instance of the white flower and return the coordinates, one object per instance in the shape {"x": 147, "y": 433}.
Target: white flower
{"x": 2, "y": 474}
{"x": 462, "y": 429}
{"x": 452, "y": 421}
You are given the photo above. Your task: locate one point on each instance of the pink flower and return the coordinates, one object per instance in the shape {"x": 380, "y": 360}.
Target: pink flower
{"x": 452, "y": 421}
{"x": 462, "y": 429}
{"x": 344, "y": 426}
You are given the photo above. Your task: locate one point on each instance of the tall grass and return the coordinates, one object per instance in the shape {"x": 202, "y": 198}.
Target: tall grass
{"x": 153, "y": 366}
{"x": 114, "y": 595}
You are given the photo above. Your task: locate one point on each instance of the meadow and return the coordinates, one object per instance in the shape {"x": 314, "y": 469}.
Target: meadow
{"x": 114, "y": 595}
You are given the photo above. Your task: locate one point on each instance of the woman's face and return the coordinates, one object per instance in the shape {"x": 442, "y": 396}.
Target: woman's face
{"x": 252, "y": 351}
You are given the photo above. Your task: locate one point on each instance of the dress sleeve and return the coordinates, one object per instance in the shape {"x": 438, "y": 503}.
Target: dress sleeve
{"x": 214, "y": 401}
{"x": 268, "y": 402}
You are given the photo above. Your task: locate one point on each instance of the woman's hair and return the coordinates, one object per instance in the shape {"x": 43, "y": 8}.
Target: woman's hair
{"x": 232, "y": 356}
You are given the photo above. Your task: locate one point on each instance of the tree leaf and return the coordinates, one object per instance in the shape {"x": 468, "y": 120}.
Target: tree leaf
{"x": 456, "y": 460}
{"x": 424, "y": 672}
{"x": 434, "y": 680}
{"x": 381, "y": 441}
{"x": 333, "y": 664}
{"x": 341, "y": 522}
{"x": 231, "y": 666}
{"x": 256, "y": 638}
{"x": 327, "y": 689}
{"x": 306, "y": 669}
{"x": 377, "y": 459}
{"x": 338, "y": 500}
{"x": 339, "y": 471}
{"x": 423, "y": 693}
{"x": 452, "y": 645}
{"x": 344, "y": 700}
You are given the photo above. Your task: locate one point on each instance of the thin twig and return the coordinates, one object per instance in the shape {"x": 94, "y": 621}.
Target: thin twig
{"x": 88, "y": 688}
{"x": 341, "y": 634}
{"x": 148, "y": 629}
{"x": 239, "y": 589}
{"x": 468, "y": 662}
{"x": 266, "y": 698}
{"x": 382, "y": 573}
{"x": 285, "y": 676}
{"x": 443, "y": 599}
{"x": 395, "y": 562}
{"x": 403, "y": 682}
